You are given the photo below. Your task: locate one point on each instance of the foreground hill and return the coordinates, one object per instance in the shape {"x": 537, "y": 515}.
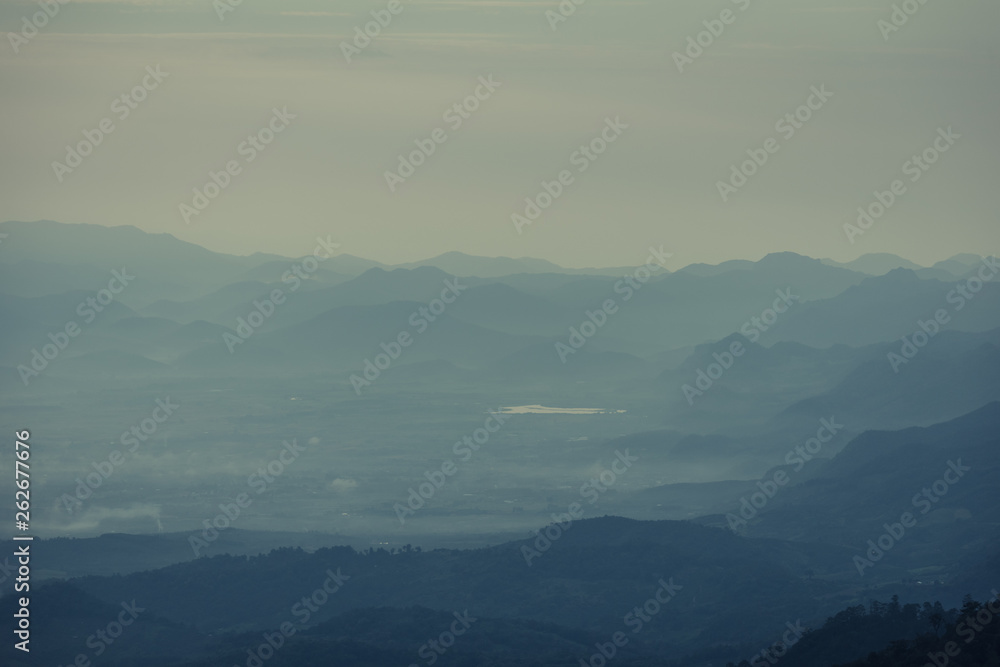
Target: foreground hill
{"x": 589, "y": 578}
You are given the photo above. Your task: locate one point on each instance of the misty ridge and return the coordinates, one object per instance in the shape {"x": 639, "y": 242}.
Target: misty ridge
{"x": 322, "y": 459}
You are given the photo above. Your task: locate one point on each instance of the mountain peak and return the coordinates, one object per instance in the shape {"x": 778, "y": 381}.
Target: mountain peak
{"x": 901, "y": 275}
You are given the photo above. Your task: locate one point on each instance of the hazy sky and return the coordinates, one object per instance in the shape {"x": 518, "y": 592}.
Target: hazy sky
{"x": 656, "y": 184}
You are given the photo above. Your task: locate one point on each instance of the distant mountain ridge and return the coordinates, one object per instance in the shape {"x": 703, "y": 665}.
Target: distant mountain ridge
{"x": 66, "y": 244}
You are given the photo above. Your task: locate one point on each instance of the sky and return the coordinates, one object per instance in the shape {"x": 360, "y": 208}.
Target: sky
{"x": 683, "y": 122}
